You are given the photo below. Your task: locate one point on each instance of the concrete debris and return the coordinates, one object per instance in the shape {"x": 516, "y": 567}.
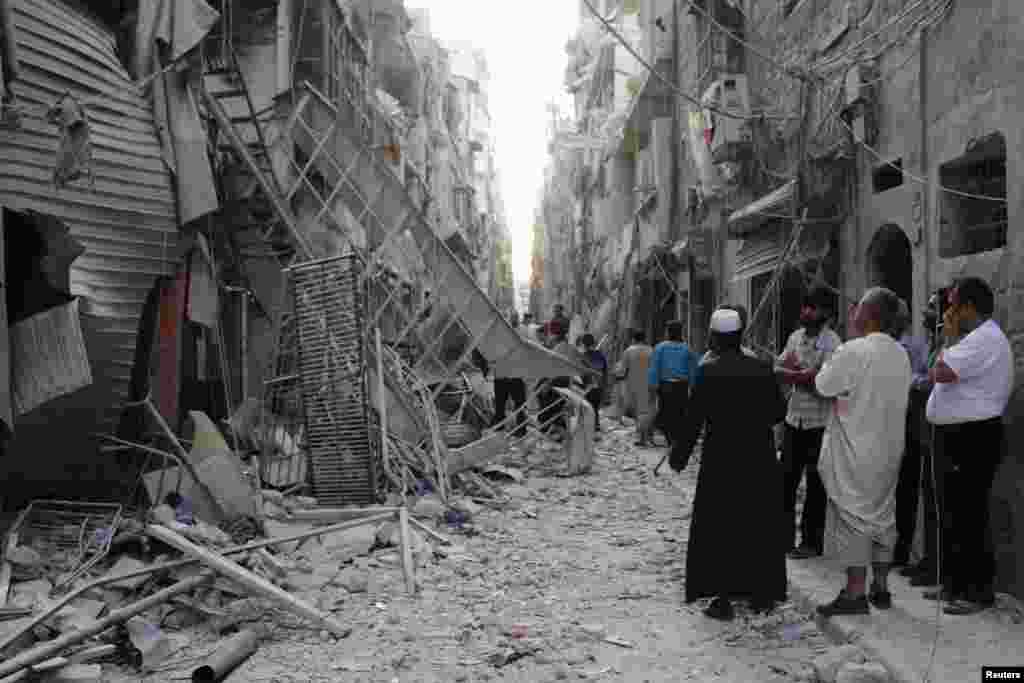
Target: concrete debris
{"x": 35, "y": 593}
{"x": 127, "y": 565}
{"x": 150, "y": 641}
{"x": 429, "y": 507}
{"x": 827, "y": 666}
{"x": 24, "y": 557}
{"x": 869, "y": 672}
{"x": 78, "y": 615}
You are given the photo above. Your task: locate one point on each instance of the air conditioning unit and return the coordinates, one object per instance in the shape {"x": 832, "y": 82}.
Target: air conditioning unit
{"x": 730, "y": 136}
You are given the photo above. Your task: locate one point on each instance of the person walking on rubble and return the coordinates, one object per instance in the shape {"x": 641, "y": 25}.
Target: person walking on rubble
{"x": 868, "y": 381}
{"x": 637, "y": 395}
{"x": 734, "y": 554}
{"x": 596, "y": 384}
{"x": 973, "y": 380}
{"x": 807, "y": 350}
{"x": 508, "y": 386}
{"x": 673, "y": 366}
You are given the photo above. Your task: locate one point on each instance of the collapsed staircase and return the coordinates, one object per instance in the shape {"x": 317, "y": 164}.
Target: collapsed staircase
{"x": 342, "y": 171}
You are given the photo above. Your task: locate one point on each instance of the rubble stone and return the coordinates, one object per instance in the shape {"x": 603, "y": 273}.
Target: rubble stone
{"x": 353, "y": 580}
{"x": 429, "y": 507}
{"x": 350, "y": 542}
{"x": 468, "y": 508}
{"x": 827, "y": 666}
{"x": 23, "y": 556}
{"x": 30, "y": 593}
{"x": 126, "y": 565}
{"x": 79, "y": 614}
{"x": 277, "y": 529}
{"x": 869, "y": 672}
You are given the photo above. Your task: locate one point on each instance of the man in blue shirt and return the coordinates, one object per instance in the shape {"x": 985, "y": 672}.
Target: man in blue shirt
{"x": 673, "y": 366}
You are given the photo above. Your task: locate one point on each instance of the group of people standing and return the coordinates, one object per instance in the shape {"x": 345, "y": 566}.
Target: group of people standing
{"x": 852, "y": 428}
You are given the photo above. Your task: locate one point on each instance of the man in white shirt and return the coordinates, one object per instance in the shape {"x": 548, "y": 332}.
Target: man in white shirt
{"x": 973, "y": 381}
{"x": 869, "y": 379}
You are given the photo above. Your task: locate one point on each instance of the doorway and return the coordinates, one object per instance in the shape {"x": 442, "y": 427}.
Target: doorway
{"x": 890, "y": 262}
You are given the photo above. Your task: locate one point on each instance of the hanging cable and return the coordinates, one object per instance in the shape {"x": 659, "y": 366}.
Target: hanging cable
{"x": 918, "y": 179}
{"x": 791, "y": 71}
{"x": 664, "y": 81}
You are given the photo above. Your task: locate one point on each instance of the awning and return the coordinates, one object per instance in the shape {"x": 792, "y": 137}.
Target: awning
{"x": 771, "y": 206}
{"x": 760, "y": 252}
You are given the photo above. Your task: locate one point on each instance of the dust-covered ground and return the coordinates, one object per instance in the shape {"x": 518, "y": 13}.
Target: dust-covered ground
{"x": 577, "y": 578}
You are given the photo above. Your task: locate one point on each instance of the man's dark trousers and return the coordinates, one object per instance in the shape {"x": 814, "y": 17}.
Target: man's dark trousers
{"x": 504, "y": 389}
{"x": 673, "y": 399}
{"x": 908, "y": 489}
{"x": 975, "y": 450}
{"x": 801, "y": 449}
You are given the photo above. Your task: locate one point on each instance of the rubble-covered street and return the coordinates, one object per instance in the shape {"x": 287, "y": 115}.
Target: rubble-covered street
{"x": 571, "y": 579}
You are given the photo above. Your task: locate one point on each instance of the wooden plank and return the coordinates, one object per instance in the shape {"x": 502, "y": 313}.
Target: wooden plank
{"x": 408, "y": 568}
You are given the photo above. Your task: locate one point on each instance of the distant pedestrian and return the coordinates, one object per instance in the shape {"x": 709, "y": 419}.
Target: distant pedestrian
{"x": 638, "y": 397}
{"x": 595, "y": 385}
{"x": 552, "y": 417}
{"x": 868, "y": 379}
{"x": 736, "y": 549}
{"x": 807, "y": 350}
{"x": 673, "y": 366}
{"x": 973, "y": 380}
{"x": 509, "y": 385}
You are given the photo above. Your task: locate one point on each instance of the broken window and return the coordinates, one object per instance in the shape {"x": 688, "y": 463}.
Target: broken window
{"x": 38, "y": 256}
{"x": 888, "y": 176}
{"x": 973, "y": 207}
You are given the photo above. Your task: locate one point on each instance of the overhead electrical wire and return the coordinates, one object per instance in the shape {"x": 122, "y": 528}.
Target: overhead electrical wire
{"x": 671, "y": 86}
{"x": 917, "y": 179}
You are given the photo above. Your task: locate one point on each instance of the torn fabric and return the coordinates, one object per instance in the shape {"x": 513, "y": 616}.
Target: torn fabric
{"x": 74, "y": 151}
{"x": 168, "y": 31}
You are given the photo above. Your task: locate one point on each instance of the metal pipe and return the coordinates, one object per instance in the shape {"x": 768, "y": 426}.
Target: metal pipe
{"x": 166, "y": 566}
{"x": 233, "y": 652}
{"x": 50, "y": 648}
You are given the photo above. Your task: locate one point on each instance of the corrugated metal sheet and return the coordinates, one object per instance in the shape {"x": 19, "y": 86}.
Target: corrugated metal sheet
{"x": 127, "y": 221}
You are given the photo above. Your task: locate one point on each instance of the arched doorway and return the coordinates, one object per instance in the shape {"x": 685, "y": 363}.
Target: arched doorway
{"x": 890, "y": 262}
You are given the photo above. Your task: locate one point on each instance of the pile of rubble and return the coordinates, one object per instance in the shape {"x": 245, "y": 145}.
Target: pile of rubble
{"x": 174, "y": 572}
{"x": 84, "y": 587}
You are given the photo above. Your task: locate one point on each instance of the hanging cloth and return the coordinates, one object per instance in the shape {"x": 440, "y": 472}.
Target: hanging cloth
{"x": 168, "y": 31}
{"x": 74, "y": 151}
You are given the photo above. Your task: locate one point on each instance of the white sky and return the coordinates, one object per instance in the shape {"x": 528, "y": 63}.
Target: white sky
{"x": 525, "y": 46}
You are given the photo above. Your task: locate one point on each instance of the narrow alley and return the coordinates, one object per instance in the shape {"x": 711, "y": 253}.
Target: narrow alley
{"x": 571, "y": 579}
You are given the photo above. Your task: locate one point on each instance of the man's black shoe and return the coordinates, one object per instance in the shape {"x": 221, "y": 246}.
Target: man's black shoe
{"x": 804, "y": 553}
{"x": 720, "y": 609}
{"x": 880, "y": 599}
{"x": 924, "y": 579}
{"x": 845, "y": 605}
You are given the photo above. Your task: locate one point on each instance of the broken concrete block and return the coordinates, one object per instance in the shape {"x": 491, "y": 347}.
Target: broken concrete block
{"x": 76, "y": 673}
{"x": 164, "y": 514}
{"x": 517, "y": 492}
{"x": 387, "y": 534}
{"x": 275, "y": 497}
{"x": 78, "y": 615}
{"x": 272, "y": 510}
{"x": 350, "y": 542}
{"x": 827, "y": 666}
{"x": 150, "y": 641}
{"x": 127, "y": 565}
{"x": 23, "y": 556}
{"x": 870, "y": 672}
{"x": 468, "y": 508}
{"x": 278, "y": 529}
{"x": 35, "y": 593}
{"x": 429, "y": 507}
{"x": 353, "y": 580}
{"x": 292, "y": 503}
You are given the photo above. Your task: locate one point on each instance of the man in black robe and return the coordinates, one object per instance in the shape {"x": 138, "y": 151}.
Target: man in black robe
{"x": 737, "y": 549}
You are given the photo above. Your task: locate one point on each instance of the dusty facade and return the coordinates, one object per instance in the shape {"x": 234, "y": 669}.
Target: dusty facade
{"x": 847, "y": 111}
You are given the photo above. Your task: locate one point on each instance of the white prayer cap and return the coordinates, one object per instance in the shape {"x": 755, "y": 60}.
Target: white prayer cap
{"x": 725, "y": 321}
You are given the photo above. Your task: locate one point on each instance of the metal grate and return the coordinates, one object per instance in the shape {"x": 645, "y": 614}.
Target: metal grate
{"x": 70, "y": 536}
{"x": 329, "y": 298}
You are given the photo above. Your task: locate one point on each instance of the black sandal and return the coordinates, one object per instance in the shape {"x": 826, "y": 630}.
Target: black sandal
{"x": 844, "y": 605}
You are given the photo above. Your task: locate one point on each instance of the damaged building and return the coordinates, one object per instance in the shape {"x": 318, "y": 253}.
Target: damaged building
{"x": 192, "y": 190}
{"x": 773, "y": 146}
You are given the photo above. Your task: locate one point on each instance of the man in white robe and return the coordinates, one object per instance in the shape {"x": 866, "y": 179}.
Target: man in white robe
{"x": 869, "y": 379}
